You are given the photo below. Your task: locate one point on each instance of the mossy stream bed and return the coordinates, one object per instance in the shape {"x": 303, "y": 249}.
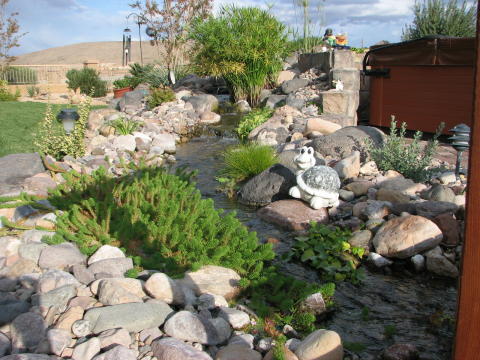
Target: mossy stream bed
{"x": 385, "y": 308}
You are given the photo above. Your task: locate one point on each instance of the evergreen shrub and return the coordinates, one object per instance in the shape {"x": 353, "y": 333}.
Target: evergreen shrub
{"x": 158, "y": 96}
{"x": 6, "y": 95}
{"x": 159, "y": 216}
{"x": 88, "y": 81}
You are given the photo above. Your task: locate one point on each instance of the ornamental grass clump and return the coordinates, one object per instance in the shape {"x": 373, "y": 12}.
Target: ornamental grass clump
{"x": 409, "y": 158}
{"x": 247, "y": 160}
{"x": 244, "y": 45}
{"x": 158, "y": 216}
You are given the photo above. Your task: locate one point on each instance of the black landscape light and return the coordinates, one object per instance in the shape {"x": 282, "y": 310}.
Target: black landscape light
{"x": 68, "y": 118}
{"x": 460, "y": 142}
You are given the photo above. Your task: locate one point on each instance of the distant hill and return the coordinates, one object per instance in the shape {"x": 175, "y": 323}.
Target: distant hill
{"x": 104, "y": 51}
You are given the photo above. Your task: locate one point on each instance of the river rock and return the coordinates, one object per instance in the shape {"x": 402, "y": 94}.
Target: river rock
{"x": 57, "y": 341}
{"x": 418, "y": 262}
{"x": 27, "y": 331}
{"x": 348, "y": 167}
{"x": 347, "y": 140}
{"x": 166, "y": 142}
{"x": 293, "y": 85}
{"x": 439, "y": 192}
{"x": 62, "y": 256}
{"x": 69, "y": 317}
{"x": 210, "y": 301}
{"x": 237, "y": 352}
{"x": 58, "y": 297}
{"x": 148, "y": 335}
{"x": 447, "y": 177}
{"x": 406, "y": 236}
{"x": 270, "y": 185}
{"x": 346, "y": 195}
{"x": 20, "y": 267}
{"x": 55, "y": 278}
{"x": 118, "y": 352}
{"x": 160, "y": 286}
{"x": 362, "y": 239}
{"x": 400, "y": 184}
{"x": 9, "y": 245}
{"x": 133, "y": 286}
{"x": 450, "y": 229}
{"x": 392, "y": 196}
{"x": 209, "y": 117}
{"x": 440, "y": 265}
{"x": 35, "y": 235}
{"x": 187, "y": 326}
{"x": 324, "y": 127}
{"x": 5, "y": 346}
{"x": 81, "y": 328}
{"x": 86, "y": 350}
{"x": 28, "y": 357}
{"x": 378, "y": 260}
{"x": 125, "y": 142}
{"x": 82, "y": 274}
{"x": 369, "y": 168}
{"x": 106, "y": 252}
{"x": 223, "y": 329}
{"x": 321, "y": 345}
{"x": 237, "y": 318}
{"x": 11, "y": 309}
{"x": 16, "y": 168}
{"x": 109, "y": 293}
{"x": 174, "y": 349}
{"x": 113, "y": 267}
{"x": 293, "y": 214}
{"x": 431, "y": 209}
{"x": 133, "y": 317}
{"x": 31, "y": 251}
{"x": 314, "y": 303}
{"x": 114, "y": 336}
{"x": 359, "y": 188}
{"x": 202, "y": 102}
{"x": 213, "y": 280}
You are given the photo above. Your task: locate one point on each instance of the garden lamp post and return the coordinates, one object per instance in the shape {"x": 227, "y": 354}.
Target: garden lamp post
{"x": 460, "y": 142}
{"x": 140, "y": 21}
{"x": 68, "y": 118}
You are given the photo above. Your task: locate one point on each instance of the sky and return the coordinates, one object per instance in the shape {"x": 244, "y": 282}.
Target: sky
{"x": 51, "y": 23}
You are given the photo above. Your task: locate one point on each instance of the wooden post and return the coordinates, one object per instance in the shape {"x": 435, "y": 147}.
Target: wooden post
{"x": 467, "y": 338}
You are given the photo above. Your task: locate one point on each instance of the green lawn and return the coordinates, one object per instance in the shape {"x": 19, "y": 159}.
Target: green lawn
{"x": 19, "y": 124}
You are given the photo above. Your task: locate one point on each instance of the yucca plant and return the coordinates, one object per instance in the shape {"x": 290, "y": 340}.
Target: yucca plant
{"x": 245, "y": 46}
{"x": 124, "y": 126}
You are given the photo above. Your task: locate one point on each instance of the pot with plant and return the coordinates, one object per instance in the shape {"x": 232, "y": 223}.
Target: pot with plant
{"x": 121, "y": 86}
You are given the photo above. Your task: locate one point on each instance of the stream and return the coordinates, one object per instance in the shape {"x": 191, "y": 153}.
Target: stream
{"x": 383, "y": 310}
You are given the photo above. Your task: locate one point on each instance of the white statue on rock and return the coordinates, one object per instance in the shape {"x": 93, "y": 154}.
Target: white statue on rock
{"x": 317, "y": 185}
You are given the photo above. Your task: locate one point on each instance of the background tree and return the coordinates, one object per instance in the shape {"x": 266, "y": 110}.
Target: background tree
{"x": 438, "y": 17}
{"x": 170, "y": 22}
{"x": 9, "y": 33}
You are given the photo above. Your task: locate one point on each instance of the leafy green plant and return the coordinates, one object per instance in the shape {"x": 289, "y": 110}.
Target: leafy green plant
{"x": 33, "y": 91}
{"x": 437, "y": 17}
{"x": 122, "y": 83}
{"x": 247, "y": 160}
{"x": 327, "y": 250}
{"x": 159, "y": 96}
{"x": 52, "y": 140}
{"x": 389, "y": 331}
{"x": 88, "y": 81}
{"x": 250, "y": 121}
{"x": 19, "y": 75}
{"x": 155, "y": 76}
{"x": 244, "y": 45}
{"x": 6, "y": 95}
{"x": 409, "y": 158}
{"x": 157, "y": 215}
{"x": 124, "y": 126}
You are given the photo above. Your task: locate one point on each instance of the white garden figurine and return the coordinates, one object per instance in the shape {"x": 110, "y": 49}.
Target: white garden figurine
{"x": 317, "y": 185}
{"x": 338, "y": 85}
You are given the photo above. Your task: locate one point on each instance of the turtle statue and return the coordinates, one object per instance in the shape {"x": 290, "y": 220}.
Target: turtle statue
{"x": 317, "y": 185}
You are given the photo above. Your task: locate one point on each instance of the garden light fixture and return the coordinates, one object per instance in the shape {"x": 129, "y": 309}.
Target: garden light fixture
{"x": 68, "y": 118}
{"x": 460, "y": 142}
{"x": 127, "y": 44}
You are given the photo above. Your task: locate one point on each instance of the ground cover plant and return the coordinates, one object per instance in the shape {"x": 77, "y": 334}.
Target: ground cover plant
{"x": 20, "y": 123}
{"x": 156, "y": 215}
{"x": 158, "y": 96}
{"x": 327, "y": 250}
{"x": 252, "y": 120}
{"x": 245, "y": 46}
{"x": 409, "y": 158}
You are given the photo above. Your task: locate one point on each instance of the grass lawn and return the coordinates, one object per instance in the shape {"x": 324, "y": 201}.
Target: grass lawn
{"x": 19, "y": 124}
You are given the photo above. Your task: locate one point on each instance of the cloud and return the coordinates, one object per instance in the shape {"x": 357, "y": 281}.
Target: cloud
{"x": 52, "y": 23}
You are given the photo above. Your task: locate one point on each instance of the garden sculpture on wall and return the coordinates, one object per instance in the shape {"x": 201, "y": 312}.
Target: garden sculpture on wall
{"x": 317, "y": 185}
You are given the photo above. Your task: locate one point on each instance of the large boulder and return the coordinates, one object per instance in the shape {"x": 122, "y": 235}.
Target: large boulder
{"x": 321, "y": 345}
{"x": 15, "y": 168}
{"x": 132, "y": 99}
{"x": 347, "y": 140}
{"x": 202, "y": 103}
{"x": 188, "y": 326}
{"x": 292, "y": 214}
{"x": 293, "y": 85}
{"x": 405, "y": 236}
{"x": 268, "y": 186}
{"x": 173, "y": 349}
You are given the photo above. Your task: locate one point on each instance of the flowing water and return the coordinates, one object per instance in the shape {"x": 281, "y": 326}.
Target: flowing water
{"x": 384, "y": 309}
